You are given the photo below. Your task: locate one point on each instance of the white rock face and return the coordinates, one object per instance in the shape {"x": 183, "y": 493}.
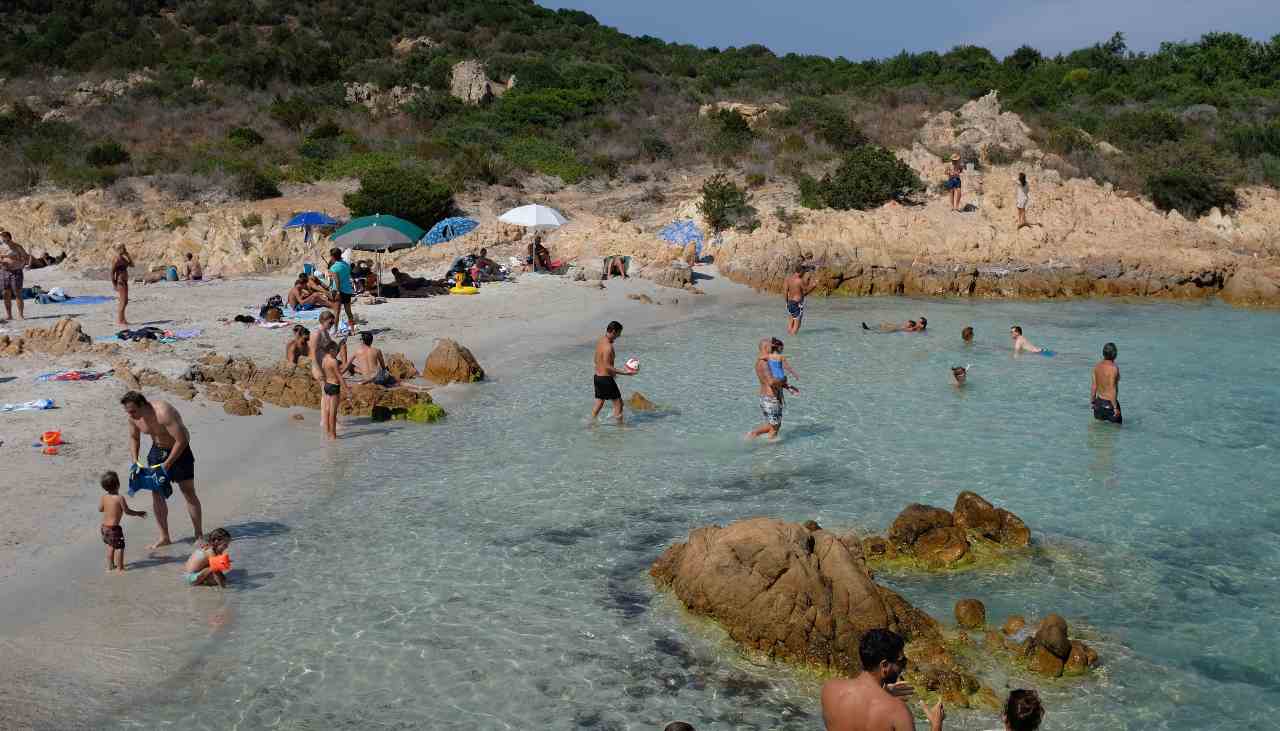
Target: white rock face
{"x": 470, "y": 83}
{"x": 980, "y": 125}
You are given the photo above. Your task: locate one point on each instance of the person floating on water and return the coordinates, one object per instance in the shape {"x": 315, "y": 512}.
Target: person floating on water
{"x": 1020, "y": 343}
{"x": 795, "y": 289}
{"x": 873, "y": 700}
{"x": 1104, "y": 395}
{"x": 113, "y": 507}
{"x": 606, "y": 386}
{"x": 910, "y": 326}
{"x": 771, "y": 388}
{"x": 209, "y": 563}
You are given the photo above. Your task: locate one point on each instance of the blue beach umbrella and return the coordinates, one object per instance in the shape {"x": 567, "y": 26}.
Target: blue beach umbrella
{"x": 310, "y": 218}
{"x": 449, "y": 229}
{"x": 683, "y": 233}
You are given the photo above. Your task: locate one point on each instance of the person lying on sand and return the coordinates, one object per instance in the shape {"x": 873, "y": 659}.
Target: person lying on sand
{"x": 369, "y": 365}
{"x": 910, "y": 326}
{"x": 406, "y": 281}
{"x": 298, "y": 346}
{"x": 304, "y": 296}
{"x": 209, "y": 563}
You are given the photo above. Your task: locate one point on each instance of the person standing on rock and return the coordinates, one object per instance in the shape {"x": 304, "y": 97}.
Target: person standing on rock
{"x": 795, "y": 289}
{"x": 953, "y": 182}
{"x": 606, "y": 386}
{"x": 12, "y": 260}
{"x": 1021, "y": 197}
{"x": 171, "y": 449}
{"x": 1104, "y": 396}
{"x": 872, "y": 701}
{"x": 120, "y": 282}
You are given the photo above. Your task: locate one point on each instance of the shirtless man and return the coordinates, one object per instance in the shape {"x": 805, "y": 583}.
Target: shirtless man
{"x": 910, "y": 326}
{"x": 170, "y": 447}
{"x": 1105, "y": 393}
{"x": 191, "y": 270}
{"x": 320, "y": 340}
{"x": 369, "y": 364}
{"x": 872, "y": 701}
{"x": 796, "y": 288}
{"x": 1020, "y": 343}
{"x": 770, "y": 394}
{"x": 299, "y": 346}
{"x": 302, "y": 294}
{"x": 12, "y": 260}
{"x": 606, "y": 386}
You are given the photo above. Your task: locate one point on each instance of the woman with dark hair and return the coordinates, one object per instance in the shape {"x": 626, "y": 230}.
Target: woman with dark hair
{"x": 1022, "y": 195}
{"x": 1022, "y": 711}
{"x": 120, "y": 281}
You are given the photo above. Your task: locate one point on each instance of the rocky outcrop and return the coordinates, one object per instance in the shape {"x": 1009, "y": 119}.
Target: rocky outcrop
{"x": 378, "y": 101}
{"x": 971, "y": 614}
{"x": 935, "y": 538}
{"x": 400, "y": 367}
{"x": 406, "y": 46}
{"x": 675, "y": 274}
{"x": 64, "y": 337}
{"x": 754, "y": 113}
{"x": 1253, "y": 286}
{"x": 638, "y": 402}
{"x": 1049, "y": 650}
{"x": 979, "y": 125}
{"x": 450, "y": 362}
{"x": 470, "y": 83}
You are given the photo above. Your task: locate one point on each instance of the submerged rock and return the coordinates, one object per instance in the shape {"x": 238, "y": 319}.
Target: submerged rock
{"x": 937, "y": 539}
{"x": 971, "y": 614}
{"x": 638, "y": 402}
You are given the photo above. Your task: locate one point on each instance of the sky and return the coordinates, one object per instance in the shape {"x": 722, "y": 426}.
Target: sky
{"x": 860, "y": 30}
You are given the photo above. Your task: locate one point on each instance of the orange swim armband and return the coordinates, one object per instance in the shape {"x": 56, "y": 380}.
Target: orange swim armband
{"x": 220, "y": 563}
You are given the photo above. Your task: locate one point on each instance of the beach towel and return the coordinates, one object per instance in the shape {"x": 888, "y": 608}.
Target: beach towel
{"x": 95, "y": 299}
{"x": 37, "y": 405}
{"x": 70, "y": 376}
{"x": 154, "y": 479}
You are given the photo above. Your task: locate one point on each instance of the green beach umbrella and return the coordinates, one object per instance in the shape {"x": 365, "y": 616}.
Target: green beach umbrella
{"x": 378, "y": 233}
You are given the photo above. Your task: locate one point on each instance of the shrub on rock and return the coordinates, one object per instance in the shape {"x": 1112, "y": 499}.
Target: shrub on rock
{"x": 868, "y": 177}
{"x": 408, "y": 192}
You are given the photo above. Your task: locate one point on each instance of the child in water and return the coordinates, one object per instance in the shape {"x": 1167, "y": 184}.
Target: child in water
{"x": 113, "y": 507}
{"x": 779, "y": 367}
{"x": 209, "y": 563}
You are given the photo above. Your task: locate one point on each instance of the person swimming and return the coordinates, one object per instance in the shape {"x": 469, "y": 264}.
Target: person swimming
{"x": 959, "y": 374}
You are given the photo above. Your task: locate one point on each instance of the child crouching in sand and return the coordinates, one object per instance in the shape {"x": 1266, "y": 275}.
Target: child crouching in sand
{"x": 113, "y": 508}
{"x": 209, "y": 563}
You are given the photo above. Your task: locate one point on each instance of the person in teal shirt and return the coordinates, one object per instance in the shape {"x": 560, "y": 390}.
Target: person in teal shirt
{"x": 340, "y": 284}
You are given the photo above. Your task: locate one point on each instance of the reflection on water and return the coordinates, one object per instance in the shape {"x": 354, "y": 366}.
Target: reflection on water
{"x": 491, "y": 572}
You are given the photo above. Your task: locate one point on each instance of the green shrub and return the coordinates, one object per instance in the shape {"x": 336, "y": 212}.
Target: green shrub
{"x": 251, "y": 220}
{"x": 106, "y": 154}
{"x": 1066, "y": 140}
{"x": 1270, "y": 165}
{"x": 475, "y": 163}
{"x": 732, "y": 133}
{"x": 794, "y": 144}
{"x": 1251, "y": 140}
{"x": 1077, "y": 77}
{"x": 1189, "y": 189}
{"x": 406, "y": 191}
{"x": 1138, "y": 128}
{"x": 544, "y": 156}
{"x": 868, "y": 177}
{"x": 998, "y": 155}
{"x": 724, "y": 205}
{"x": 543, "y": 108}
{"x": 313, "y": 149}
{"x": 326, "y": 130}
{"x": 655, "y": 148}
{"x": 432, "y": 106}
{"x": 177, "y": 222}
{"x": 756, "y": 180}
{"x": 293, "y": 113}
{"x": 253, "y": 184}
{"x": 244, "y": 137}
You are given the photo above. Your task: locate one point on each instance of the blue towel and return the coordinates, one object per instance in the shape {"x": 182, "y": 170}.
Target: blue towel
{"x": 1047, "y": 353}
{"x": 91, "y": 299}
{"x": 154, "y": 479}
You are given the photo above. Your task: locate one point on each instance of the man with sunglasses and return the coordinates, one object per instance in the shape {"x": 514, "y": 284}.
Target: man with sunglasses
{"x": 872, "y": 701}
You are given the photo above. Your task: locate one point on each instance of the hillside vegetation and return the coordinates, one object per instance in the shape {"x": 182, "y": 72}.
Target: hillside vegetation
{"x": 233, "y": 97}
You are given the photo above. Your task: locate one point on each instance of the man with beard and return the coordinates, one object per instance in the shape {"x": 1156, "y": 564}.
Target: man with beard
{"x": 872, "y": 701}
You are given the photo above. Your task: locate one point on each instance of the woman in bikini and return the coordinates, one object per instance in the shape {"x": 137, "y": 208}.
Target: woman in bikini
{"x": 120, "y": 281}
{"x": 331, "y": 390}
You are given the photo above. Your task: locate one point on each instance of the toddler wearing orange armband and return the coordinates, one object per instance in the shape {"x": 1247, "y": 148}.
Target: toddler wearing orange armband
{"x": 209, "y": 563}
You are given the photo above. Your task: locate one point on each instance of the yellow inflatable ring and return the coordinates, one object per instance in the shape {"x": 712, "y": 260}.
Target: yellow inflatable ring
{"x": 464, "y": 290}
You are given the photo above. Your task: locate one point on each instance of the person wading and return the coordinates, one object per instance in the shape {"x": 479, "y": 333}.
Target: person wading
{"x": 606, "y": 386}
{"x": 170, "y": 448}
{"x": 795, "y": 289}
{"x": 872, "y": 701}
{"x": 1104, "y": 395}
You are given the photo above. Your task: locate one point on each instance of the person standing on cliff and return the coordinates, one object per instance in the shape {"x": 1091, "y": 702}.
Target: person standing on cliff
{"x": 171, "y": 449}
{"x": 1104, "y": 396}
{"x": 795, "y": 289}
{"x": 12, "y": 260}
{"x": 1022, "y": 197}
{"x": 953, "y": 182}
{"x": 873, "y": 700}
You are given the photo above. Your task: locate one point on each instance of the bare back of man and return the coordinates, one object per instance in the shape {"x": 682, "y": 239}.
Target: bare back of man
{"x": 1104, "y": 395}
{"x": 170, "y": 448}
{"x": 861, "y": 704}
{"x": 368, "y": 362}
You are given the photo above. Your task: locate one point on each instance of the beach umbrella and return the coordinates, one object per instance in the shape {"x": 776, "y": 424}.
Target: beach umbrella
{"x": 308, "y": 220}
{"x": 380, "y": 234}
{"x": 535, "y": 216}
{"x": 449, "y": 229}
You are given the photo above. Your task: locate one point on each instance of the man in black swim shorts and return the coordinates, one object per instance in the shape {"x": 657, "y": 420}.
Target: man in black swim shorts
{"x": 606, "y": 387}
{"x": 1105, "y": 394}
{"x": 171, "y": 449}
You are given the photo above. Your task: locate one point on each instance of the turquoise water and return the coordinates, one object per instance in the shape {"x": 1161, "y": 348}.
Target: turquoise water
{"x": 491, "y": 572}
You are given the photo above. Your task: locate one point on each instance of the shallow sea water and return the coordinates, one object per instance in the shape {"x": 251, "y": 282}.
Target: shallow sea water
{"x": 491, "y": 572}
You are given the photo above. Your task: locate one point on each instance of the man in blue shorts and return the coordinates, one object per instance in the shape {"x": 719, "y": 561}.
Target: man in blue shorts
{"x": 796, "y": 288}
{"x": 170, "y": 449}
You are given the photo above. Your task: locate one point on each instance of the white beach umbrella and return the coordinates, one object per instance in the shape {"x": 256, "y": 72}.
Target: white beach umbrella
{"x": 535, "y": 216}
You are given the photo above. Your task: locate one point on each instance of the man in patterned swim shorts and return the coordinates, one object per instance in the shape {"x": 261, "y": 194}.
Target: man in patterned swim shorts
{"x": 770, "y": 395}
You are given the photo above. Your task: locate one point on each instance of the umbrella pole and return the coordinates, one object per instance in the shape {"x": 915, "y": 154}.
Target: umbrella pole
{"x": 379, "y": 273}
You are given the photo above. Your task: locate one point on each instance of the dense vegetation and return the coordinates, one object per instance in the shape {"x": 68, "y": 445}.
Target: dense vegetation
{"x": 245, "y": 94}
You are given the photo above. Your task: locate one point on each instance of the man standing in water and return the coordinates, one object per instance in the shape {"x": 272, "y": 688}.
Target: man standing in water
{"x": 1105, "y": 393}
{"x": 606, "y": 385}
{"x": 770, "y": 394}
{"x": 872, "y": 701}
{"x": 796, "y": 288}
{"x": 170, "y": 448}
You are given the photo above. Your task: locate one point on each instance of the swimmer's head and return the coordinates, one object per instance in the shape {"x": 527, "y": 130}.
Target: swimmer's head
{"x": 1015, "y": 331}
{"x": 613, "y": 330}
{"x": 959, "y": 374}
{"x": 110, "y": 483}
{"x": 923, "y": 323}
{"x": 1109, "y": 351}
{"x": 967, "y": 334}
{"x": 218, "y": 539}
